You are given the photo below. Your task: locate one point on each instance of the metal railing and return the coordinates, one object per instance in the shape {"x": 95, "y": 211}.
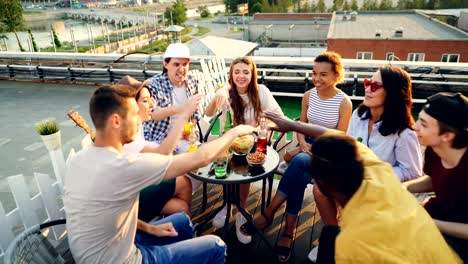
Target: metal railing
{"x": 284, "y": 76}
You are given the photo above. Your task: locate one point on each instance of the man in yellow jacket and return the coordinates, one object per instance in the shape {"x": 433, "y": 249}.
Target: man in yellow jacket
{"x": 380, "y": 221}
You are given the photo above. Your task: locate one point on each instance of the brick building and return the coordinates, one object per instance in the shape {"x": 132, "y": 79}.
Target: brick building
{"x": 405, "y": 35}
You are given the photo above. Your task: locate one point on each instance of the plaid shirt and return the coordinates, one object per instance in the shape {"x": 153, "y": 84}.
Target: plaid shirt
{"x": 162, "y": 90}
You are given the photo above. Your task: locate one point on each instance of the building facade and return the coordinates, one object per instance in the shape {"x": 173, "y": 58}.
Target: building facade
{"x": 406, "y": 36}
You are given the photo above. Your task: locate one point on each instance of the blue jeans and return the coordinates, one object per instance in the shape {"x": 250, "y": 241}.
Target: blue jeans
{"x": 180, "y": 249}
{"x": 294, "y": 181}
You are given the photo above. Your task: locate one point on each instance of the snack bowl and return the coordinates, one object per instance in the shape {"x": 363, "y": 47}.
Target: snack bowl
{"x": 256, "y": 159}
{"x": 243, "y": 145}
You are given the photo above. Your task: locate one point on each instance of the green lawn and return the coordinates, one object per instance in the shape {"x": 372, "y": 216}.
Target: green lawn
{"x": 202, "y": 31}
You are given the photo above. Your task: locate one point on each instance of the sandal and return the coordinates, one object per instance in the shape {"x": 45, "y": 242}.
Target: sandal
{"x": 249, "y": 229}
{"x": 284, "y": 253}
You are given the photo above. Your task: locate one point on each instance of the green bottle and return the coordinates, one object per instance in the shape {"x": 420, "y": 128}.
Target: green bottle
{"x": 228, "y": 124}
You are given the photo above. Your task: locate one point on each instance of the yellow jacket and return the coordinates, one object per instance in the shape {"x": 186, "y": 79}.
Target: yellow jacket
{"x": 383, "y": 223}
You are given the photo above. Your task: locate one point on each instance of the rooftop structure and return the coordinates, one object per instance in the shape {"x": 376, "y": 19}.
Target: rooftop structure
{"x": 405, "y": 35}
{"x": 221, "y": 47}
{"x": 412, "y": 24}
{"x": 286, "y": 30}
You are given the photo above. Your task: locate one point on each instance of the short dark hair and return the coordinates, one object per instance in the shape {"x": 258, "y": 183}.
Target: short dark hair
{"x": 461, "y": 136}
{"x": 109, "y": 99}
{"x": 398, "y": 102}
{"x": 336, "y": 164}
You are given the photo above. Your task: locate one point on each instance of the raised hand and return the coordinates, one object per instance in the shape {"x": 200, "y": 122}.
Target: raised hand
{"x": 191, "y": 105}
{"x": 282, "y": 123}
{"x": 242, "y": 130}
{"x": 220, "y": 101}
{"x": 306, "y": 147}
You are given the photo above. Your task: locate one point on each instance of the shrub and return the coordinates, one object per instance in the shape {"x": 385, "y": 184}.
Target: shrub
{"x": 47, "y": 127}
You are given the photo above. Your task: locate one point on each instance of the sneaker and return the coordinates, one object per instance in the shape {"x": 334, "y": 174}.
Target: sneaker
{"x": 220, "y": 218}
{"x": 240, "y": 220}
{"x": 313, "y": 254}
{"x": 282, "y": 167}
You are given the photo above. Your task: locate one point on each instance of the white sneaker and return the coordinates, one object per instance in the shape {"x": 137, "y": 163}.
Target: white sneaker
{"x": 220, "y": 218}
{"x": 313, "y": 254}
{"x": 282, "y": 167}
{"x": 240, "y": 220}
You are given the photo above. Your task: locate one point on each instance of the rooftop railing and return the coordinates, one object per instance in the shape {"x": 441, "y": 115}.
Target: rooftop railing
{"x": 285, "y": 76}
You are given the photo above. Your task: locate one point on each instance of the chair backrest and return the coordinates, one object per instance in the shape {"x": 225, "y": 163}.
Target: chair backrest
{"x": 31, "y": 246}
{"x": 212, "y": 77}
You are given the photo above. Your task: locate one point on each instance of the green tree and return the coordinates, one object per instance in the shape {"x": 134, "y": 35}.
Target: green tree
{"x": 57, "y": 41}
{"x": 256, "y": 8}
{"x": 372, "y": 5}
{"x": 431, "y": 4}
{"x": 354, "y": 5}
{"x": 203, "y": 11}
{"x": 231, "y": 5}
{"x": 177, "y": 12}
{"x": 337, "y": 4}
{"x": 313, "y": 7}
{"x": 305, "y": 8}
{"x": 404, "y": 4}
{"x": 11, "y": 18}
{"x": 4, "y": 38}
{"x": 346, "y": 6}
{"x": 321, "y": 6}
{"x": 385, "y": 5}
{"x": 34, "y": 44}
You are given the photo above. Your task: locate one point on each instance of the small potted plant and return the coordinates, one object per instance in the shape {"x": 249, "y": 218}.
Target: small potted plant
{"x": 49, "y": 131}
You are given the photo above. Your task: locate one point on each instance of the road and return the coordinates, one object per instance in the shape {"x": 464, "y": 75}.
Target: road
{"x": 216, "y": 29}
{"x": 22, "y": 104}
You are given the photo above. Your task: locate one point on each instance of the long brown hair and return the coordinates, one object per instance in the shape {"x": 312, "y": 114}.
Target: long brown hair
{"x": 237, "y": 105}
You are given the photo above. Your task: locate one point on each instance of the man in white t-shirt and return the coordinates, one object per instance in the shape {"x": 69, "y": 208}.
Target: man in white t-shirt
{"x": 102, "y": 186}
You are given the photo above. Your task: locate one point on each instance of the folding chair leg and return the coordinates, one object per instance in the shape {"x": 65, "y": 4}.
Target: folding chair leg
{"x": 205, "y": 196}
{"x": 270, "y": 187}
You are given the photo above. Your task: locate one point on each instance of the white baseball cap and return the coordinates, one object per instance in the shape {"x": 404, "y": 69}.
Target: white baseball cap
{"x": 177, "y": 50}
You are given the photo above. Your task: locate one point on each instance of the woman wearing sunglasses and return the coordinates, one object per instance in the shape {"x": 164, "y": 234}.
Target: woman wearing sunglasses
{"x": 383, "y": 123}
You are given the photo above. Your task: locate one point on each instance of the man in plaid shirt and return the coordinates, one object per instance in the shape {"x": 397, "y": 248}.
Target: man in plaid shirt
{"x": 170, "y": 90}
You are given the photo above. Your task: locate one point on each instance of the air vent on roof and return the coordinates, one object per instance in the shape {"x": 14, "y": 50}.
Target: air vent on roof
{"x": 345, "y": 15}
{"x": 353, "y": 15}
{"x": 378, "y": 33}
{"x": 399, "y": 32}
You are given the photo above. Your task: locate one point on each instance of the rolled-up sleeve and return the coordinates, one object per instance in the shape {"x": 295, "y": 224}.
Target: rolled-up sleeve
{"x": 408, "y": 156}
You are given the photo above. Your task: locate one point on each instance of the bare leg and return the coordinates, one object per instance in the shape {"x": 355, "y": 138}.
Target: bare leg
{"x": 326, "y": 207}
{"x": 182, "y": 199}
{"x": 244, "y": 192}
{"x": 270, "y": 211}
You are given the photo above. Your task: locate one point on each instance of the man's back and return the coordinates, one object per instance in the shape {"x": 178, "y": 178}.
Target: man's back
{"x": 101, "y": 201}
{"x": 383, "y": 223}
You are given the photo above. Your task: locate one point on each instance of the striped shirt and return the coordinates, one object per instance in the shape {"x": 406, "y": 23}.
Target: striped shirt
{"x": 324, "y": 113}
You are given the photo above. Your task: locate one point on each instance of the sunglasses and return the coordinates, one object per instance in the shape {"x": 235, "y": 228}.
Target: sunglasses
{"x": 374, "y": 86}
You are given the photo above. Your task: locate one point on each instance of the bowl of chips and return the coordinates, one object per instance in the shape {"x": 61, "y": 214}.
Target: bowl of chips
{"x": 256, "y": 159}
{"x": 243, "y": 145}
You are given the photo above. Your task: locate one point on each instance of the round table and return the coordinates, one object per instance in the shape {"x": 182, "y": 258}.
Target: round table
{"x": 239, "y": 172}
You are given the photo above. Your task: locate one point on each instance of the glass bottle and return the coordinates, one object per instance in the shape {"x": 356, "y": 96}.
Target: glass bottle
{"x": 228, "y": 124}
{"x": 262, "y": 136}
{"x": 193, "y": 139}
